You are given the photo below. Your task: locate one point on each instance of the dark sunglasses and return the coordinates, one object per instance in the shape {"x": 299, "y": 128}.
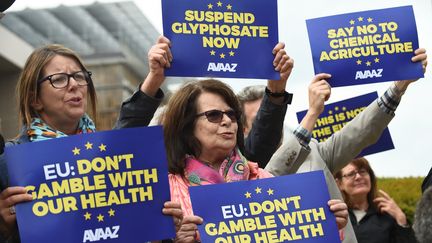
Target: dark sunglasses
{"x": 216, "y": 116}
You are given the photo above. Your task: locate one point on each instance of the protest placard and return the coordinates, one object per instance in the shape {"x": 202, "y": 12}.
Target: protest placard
{"x": 93, "y": 187}
{"x": 336, "y": 115}
{"x": 215, "y": 38}
{"x": 365, "y": 47}
{"x": 278, "y": 209}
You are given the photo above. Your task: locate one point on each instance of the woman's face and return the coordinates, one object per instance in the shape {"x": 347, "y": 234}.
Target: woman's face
{"x": 62, "y": 107}
{"x": 217, "y": 139}
{"x": 355, "y": 181}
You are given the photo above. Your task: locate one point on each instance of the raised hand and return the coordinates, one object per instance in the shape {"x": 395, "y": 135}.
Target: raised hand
{"x": 319, "y": 91}
{"x": 284, "y": 65}
{"x": 159, "y": 57}
{"x": 419, "y": 56}
{"x": 386, "y": 204}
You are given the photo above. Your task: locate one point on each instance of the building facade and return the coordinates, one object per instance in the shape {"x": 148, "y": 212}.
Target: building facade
{"x": 113, "y": 40}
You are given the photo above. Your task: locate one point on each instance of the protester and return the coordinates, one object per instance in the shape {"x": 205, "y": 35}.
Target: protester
{"x": 204, "y": 141}
{"x": 374, "y": 218}
{"x": 53, "y": 92}
{"x": 250, "y": 99}
{"x": 299, "y": 153}
{"x": 423, "y": 218}
{"x": 264, "y": 137}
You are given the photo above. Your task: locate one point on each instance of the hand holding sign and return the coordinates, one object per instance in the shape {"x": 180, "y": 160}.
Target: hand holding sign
{"x": 282, "y": 62}
{"x": 159, "y": 58}
{"x": 420, "y": 56}
{"x": 340, "y": 211}
{"x": 174, "y": 209}
{"x": 319, "y": 91}
{"x": 10, "y": 197}
{"x": 188, "y": 229}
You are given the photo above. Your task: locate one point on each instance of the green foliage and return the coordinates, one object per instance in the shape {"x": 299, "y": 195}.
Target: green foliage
{"x": 405, "y": 191}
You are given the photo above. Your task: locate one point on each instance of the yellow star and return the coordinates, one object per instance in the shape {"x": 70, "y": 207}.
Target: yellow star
{"x": 270, "y": 191}
{"x": 360, "y": 19}
{"x": 89, "y": 145}
{"x": 212, "y": 52}
{"x": 100, "y": 218}
{"x": 210, "y": 6}
{"x": 336, "y": 108}
{"x": 229, "y": 7}
{"x": 222, "y": 55}
{"x": 352, "y": 22}
{"x": 111, "y": 212}
{"x": 369, "y": 19}
{"x": 219, "y": 4}
{"x": 87, "y": 216}
{"x": 258, "y": 190}
{"x": 231, "y": 53}
{"x": 368, "y": 63}
{"x": 359, "y": 62}
{"x": 248, "y": 195}
{"x": 76, "y": 151}
{"x": 102, "y": 147}
{"x": 330, "y": 112}
{"x": 376, "y": 60}
{"x": 344, "y": 108}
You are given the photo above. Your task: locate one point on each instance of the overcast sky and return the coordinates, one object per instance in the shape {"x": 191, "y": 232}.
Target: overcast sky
{"x": 410, "y": 129}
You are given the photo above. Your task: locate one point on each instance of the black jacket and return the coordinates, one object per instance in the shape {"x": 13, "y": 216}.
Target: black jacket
{"x": 375, "y": 227}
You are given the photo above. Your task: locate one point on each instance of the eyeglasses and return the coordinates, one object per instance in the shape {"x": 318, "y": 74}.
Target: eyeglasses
{"x": 61, "y": 80}
{"x": 216, "y": 116}
{"x": 351, "y": 175}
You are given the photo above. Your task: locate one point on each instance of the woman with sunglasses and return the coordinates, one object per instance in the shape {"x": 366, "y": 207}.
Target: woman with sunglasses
{"x": 204, "y": 141}
{"x": 374, "y": 218}
{"x": 53, "y": 92}
{"x": 265, "y": 134}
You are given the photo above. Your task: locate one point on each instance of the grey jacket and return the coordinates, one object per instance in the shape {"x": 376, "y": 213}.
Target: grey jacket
{"x": 333, "y": 154}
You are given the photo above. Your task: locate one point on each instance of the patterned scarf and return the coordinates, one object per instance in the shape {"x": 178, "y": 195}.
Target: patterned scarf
{"x": 40, "y": 131}
{"x": 233, "y": 168}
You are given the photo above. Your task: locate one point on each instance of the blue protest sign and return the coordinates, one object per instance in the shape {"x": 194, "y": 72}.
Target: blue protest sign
{"x": 104, "y": 186}
{"x": 278, "y": 209}
{"x": 336, "y": 115}
{"x": 365, "y": 47}
{"x": 221, "y": 38}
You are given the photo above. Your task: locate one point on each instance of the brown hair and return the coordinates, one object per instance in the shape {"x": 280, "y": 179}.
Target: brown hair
{"x": 361, "y": 163}
{"x": 27, "y": 88}
{"x": 180, "y": 117}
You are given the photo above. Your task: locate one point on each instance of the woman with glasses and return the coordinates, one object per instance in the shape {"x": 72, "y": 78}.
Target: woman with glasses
{"x": 375, "y": 216}
{"x": 53, "y": 92}
{"x": 204, "y": 142}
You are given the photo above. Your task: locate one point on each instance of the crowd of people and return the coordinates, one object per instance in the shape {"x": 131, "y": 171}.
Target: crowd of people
{"x": 213, "y": 136}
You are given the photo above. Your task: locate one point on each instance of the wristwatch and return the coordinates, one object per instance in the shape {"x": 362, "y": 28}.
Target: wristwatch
{"x": 281, "y": 94}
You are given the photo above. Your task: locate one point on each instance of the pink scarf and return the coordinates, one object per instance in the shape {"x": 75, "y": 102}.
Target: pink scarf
{"x": 233, "y": 168}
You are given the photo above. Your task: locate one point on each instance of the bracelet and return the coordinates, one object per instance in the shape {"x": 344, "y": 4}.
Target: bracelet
{"x": 288, "y": 96}
{"x": 281, "y": 94}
